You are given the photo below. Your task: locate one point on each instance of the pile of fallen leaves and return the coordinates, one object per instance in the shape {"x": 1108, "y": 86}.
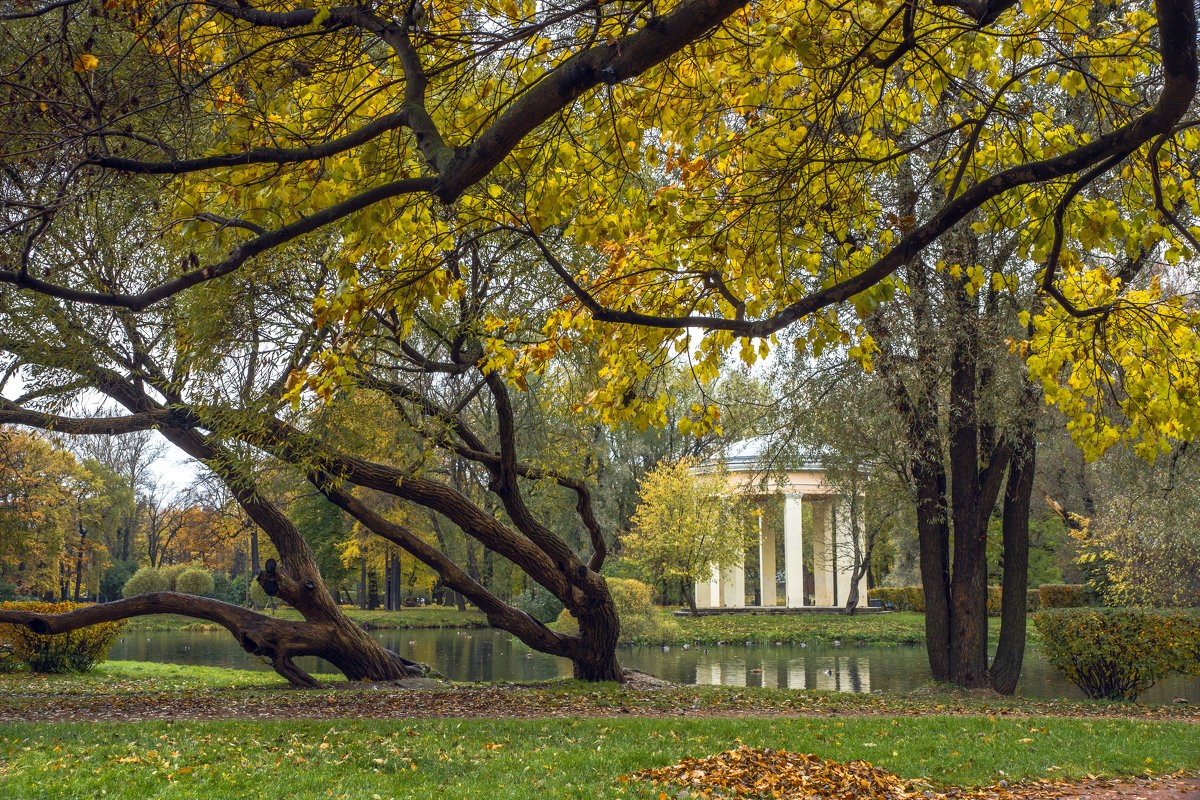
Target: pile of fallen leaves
{"x": 754, "y": 772}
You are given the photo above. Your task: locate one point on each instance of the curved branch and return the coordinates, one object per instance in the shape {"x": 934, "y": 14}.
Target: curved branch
{"x": 259, "y": 155}
{"x": 256, "y": 633}
{"x": 1177, "y": 31}
{"x": 239, "y": 256}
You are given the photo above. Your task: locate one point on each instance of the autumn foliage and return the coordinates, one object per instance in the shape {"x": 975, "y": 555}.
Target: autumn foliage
{"x": 73, "y": 651}
{"x": 1118, "y": 653}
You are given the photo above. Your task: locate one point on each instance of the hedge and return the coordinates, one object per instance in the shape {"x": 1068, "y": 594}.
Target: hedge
{"x": 73, "y": 651}
{"x": 1064, "y": 595}
{"x": 900, "y": 598}
{"x": 1118, "y": 653}
{"x": 912, "y": 598}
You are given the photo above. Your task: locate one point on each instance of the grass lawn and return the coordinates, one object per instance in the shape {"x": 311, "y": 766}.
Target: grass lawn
{"x": 554, "y": 739}
{"x": 576, "y": 758}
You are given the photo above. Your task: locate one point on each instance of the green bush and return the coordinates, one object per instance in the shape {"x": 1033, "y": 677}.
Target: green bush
{"x": 901, "y": 598}
{"x": 195, "y": 581}
{"x": 912, "y": 598}
{"x": 1064, "y": 595}
{"x": 171, "y": 574}
{"x": 640, "y": 622}
{"x": 144, "y": 581}
{"x": 1118, "y": 653}
{"x": 539, "y": 603}
{"x": 73, "y": 651}
{"x": 115, "y": 577}
{"x": 229, "y": 591}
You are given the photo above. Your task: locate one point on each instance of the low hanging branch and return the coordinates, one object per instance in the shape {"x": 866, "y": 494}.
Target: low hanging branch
{"x": 277, "y": 640}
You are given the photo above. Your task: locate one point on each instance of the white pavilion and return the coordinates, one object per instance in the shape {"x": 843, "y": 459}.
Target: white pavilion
{"x": 821, "y": 583}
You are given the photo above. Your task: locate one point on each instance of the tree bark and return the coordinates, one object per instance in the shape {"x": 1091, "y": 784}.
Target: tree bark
{"x": 1010, "y": 652}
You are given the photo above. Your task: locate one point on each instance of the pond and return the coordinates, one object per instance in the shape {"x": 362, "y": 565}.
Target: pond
{"x": 490, "y": 655}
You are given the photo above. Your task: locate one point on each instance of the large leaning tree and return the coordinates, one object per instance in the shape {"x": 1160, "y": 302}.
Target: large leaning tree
{"x": 742, "y": 169}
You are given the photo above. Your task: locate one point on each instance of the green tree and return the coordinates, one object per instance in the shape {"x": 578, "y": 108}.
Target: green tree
{"x": 687, "y": 522}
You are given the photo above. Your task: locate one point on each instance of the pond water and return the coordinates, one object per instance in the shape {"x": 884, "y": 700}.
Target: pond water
{"x": 491, "y": 655}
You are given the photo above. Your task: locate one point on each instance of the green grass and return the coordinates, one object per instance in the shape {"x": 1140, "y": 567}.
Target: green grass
{"x": 545, "y": 757}
{"x": 142, "y": 676}
{"x": 426, "y": 617}
{"x": 900, "y": 627}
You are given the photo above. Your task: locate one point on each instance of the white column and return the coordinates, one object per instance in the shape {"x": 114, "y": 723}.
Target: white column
{"x": 733, "y": 587}
{"x": 708, "y": 593}
{"x": 793, "y": 551}
{"x": 823, "y": 565}
{"x": 766, "y": 564}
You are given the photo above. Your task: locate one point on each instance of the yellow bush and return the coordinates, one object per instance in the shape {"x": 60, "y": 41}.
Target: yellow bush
{"x": 1118, "y": 653}
{"x": 73, "y": 651}
{"x": 640, "y": 621}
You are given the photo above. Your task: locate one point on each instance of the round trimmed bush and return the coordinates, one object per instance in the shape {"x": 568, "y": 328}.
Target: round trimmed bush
{"x": 1118, "y": 653}
{"x": 171, "y": 574}
{"x": 144, "y": 581}
{"x": 195, "y": 581}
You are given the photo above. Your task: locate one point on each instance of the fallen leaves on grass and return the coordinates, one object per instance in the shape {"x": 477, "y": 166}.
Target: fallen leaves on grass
{"x": 776, "y": 773}
{"x": 755, "y": 772}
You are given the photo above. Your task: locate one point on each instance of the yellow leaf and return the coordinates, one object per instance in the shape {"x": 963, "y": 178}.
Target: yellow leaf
{"x": 85, "y": 62}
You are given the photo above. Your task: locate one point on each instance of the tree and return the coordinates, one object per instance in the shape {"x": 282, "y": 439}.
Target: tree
{"x": 801, "y": 155}
{"x": 686, "y": 524}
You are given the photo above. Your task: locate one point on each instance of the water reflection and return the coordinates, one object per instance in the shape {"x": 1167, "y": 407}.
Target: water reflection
{"x": 488, "y": 655}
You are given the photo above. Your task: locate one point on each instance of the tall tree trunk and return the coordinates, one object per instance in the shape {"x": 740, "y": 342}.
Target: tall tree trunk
{"x": 1010, "y": 652}
{"x": 362, "y": 582}
{"x": 79, "y": 561}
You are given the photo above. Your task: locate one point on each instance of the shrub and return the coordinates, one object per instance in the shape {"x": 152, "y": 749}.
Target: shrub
{"x": 1033, "y": 599}
{"x": 171, "y": 574}
{"x": 901, "y": 598}
{"x": 994, "y": 600}
{"x": 144, "y": 581}
{"x": 115, "y": 577}
{"x": 640, "y": 621}
{"x": 195, "y": 581}
{"x": 228, "y": 591}
{"x": 539, "y": 603}
{"x": 1118, "y": 653}
{"x": 73, "y": 651}
{"x": 1064, "y": 595}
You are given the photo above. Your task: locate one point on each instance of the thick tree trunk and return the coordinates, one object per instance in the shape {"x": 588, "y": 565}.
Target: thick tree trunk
{"x": 933, "y": 536}
{"x": 595, "y": 656}
{"x": 1010, "y": 653}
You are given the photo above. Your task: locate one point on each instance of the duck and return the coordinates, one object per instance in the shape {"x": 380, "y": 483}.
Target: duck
{"x": 412, "y": 643}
